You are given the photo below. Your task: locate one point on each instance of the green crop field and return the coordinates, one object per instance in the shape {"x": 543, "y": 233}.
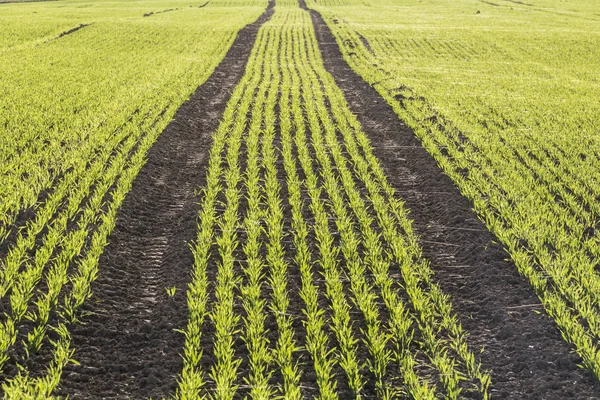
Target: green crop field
{"x": 79, "y": 112}
{"x": 506, "y": 97}
{"x": 285, "y": 59}
{"x": 334, "y": 199}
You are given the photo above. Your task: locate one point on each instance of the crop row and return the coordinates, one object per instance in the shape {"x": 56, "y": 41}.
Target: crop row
{"x": 527, "y": 162}
{"x": 296, "y": 199}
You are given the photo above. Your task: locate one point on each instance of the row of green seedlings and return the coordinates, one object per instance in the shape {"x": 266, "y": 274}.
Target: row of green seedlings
{"x": 224, "y": 372}
{"x": 83, "y": 194}
{"x": 39, "y": 164}
{"x": 317, "y": 342}
{"x": 325, "y": 356}
{"x": 253, "y": 303}
{"x": 226, "y": 143}
{"x": 286, "y": 345}
{"x": 427, "y": 304}
{"x": 360, "y": 287}
{"x": 260, "y": 356}
{"x": 347, "y": 343}
{"x": 537, "y": 176}
{"x": 24, "y": 385}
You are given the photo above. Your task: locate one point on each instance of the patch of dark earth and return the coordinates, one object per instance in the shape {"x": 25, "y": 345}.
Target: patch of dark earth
{"x": 366, "y": 43}
{"x": 519, "y": 2}
{"x": 523, "y": 347}
{"x": 65, "y": 33}
{"x": 159, "y": 12}
{"x": 127, "y": 346}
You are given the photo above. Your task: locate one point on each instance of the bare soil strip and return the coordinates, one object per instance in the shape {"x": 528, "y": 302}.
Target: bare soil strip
{"x": 81, "y": 26}
{"x": 160, "y": 12}
{"x": 128, "y": 347}
{"x": 523, "y": 346}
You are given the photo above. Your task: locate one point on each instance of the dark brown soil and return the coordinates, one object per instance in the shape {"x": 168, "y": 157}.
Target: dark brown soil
{"x": 523, "y": 346}
{"x": 160, "y": 12}
{"x": 65, "y": 33}
{"x": 128, "y": 346}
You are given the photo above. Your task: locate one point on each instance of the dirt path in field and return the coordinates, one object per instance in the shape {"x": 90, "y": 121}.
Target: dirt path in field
{"x": 127, "y": 347}
{"x": 523, "y": 348}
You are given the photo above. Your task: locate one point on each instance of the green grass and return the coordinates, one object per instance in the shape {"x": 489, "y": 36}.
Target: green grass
{"x": 506, "y": 97}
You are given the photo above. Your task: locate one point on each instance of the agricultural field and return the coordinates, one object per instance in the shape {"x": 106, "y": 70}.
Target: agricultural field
{"x": 509, "y": 113}
{"x": 86, "y": 90}
{"x": 391, "y": 199}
